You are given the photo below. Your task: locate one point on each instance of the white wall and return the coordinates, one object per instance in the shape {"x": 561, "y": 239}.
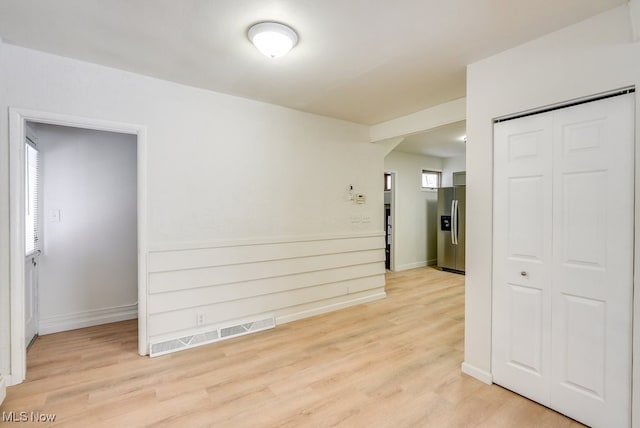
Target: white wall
{"x": 224, "y": 173}
{"x": 587, "y": 58}
{"x": 88, "y": 268}
{"x": 451, "y": 165}
{"x": 442, "y": 114}
{"x": 415, "y": 210}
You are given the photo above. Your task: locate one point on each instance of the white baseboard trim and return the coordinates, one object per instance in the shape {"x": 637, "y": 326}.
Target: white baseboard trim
{"x": 477, "y": 373}
{"x": 329, "y": 308}
{"x": 410, "y": 266}
{"x": 3, "y": 389}
{"x": 432, "y": 262}
{"x": 90, "y": 318}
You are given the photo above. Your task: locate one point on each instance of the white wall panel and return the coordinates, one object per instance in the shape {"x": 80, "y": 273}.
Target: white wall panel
{"x": 216, "y": 275}
{"x": 269, "y": 278}
{"x": 171, "y": 300}
{"x": 195, "y": 256}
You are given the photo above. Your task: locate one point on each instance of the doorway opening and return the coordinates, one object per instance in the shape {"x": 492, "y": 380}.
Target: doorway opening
{"x": 71, "y": 225}
{"x": 423, "y": 162}
{"x": 389, "y": 217}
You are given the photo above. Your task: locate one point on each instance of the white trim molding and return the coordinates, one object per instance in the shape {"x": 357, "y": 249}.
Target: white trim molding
{"x": 410, "y": 266}
{"x": 17, "y": 119}
{"x": 3, "y": 389}
{"x": 89, "y": 318}
{"x": 634, "y": 16}
{"x": 481, "y": 375}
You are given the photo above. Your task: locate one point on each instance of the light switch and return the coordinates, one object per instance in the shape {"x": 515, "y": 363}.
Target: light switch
{"x": 53, "y": 216}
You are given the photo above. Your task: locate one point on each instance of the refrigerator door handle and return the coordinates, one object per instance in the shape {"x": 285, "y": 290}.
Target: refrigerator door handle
{"x": 453, "y": 221}
{"x": 457, "y": 222}
{"x": 454, "y": 232}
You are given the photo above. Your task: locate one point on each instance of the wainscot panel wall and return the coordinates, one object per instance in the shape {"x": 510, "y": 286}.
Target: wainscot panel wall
{"x": 206, "y": 288}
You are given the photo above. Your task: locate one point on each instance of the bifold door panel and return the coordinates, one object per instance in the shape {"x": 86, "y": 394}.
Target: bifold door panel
{"x": 563, "y": 258}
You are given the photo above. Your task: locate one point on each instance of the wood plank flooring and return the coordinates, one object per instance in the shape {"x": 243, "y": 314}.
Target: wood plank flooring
{"x": 390, "y": 363}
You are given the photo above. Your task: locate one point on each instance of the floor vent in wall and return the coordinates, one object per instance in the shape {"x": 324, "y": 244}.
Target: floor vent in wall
{"x": 227, "y": 332}
{"x": 246, "y": 328}
{"x": 185, "y": 342}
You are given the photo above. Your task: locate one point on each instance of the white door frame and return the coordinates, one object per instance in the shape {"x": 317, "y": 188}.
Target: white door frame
{"x": 392, "y": 252}
{"x": 17, "y": 119}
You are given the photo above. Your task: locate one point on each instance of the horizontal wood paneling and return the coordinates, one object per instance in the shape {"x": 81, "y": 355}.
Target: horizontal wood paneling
{"x": 230, "y": 282}
{"x": 182, "y": 299}
{"x": 217, "y": 275}
{"x": 168, "y": 260}
{"x": 226, "y": 312}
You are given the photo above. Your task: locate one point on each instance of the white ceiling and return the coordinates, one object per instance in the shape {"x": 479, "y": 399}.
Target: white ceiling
{"x": 365, "y": 61}
{"x": 443, "y": 142}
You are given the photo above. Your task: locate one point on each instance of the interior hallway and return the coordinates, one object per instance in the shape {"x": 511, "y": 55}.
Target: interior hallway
{"x": 390, "y": 363}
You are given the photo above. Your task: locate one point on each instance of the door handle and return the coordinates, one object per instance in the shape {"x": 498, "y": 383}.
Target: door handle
{"x": 453, "y": 221}
{"x": 454, "y": 229}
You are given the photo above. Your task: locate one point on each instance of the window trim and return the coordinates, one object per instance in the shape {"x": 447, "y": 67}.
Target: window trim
{"x": 387, "y": 180}
{"x": 430, "y": 171}
{"x": 32, "y": 200}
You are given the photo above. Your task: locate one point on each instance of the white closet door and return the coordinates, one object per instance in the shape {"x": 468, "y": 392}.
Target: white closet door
{"x": 593, "y": 221}
{"x": 522, "y": 255}
{"x": 563, "y": 259}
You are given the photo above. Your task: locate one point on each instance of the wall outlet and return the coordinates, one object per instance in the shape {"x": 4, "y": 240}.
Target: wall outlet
{"x": 199, "y": 319}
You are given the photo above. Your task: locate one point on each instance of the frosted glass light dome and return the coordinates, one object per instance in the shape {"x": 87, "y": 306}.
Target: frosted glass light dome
{"x": 272, "y": 39}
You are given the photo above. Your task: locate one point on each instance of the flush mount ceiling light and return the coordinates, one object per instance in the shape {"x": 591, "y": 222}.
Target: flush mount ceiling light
{"x": 272, "y": 39}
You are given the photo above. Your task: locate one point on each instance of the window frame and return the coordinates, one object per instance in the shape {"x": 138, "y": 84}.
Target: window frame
{"x": 32, "y": 199}
{"x": 426, "y": 171}
{"x": 387, "y": 181}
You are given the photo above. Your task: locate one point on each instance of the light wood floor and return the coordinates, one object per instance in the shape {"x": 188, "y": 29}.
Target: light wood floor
{"x": 390, "y": 363}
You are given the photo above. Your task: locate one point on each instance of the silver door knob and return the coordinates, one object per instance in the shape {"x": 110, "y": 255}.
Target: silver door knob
{"x": 523, "y": 273}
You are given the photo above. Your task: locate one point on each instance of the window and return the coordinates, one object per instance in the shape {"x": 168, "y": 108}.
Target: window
{"x": 31, "y": 199}
{"x": 430, "y": 179}
{"x": 387, "y": 182}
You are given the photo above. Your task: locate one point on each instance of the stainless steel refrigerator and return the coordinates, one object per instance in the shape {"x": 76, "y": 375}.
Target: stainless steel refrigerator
{"x": 451, "y": 230}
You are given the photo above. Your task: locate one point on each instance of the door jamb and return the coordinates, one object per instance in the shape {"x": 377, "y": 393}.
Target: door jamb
{"x": 392, "y": 253}
{"x": 17, "y": 121}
